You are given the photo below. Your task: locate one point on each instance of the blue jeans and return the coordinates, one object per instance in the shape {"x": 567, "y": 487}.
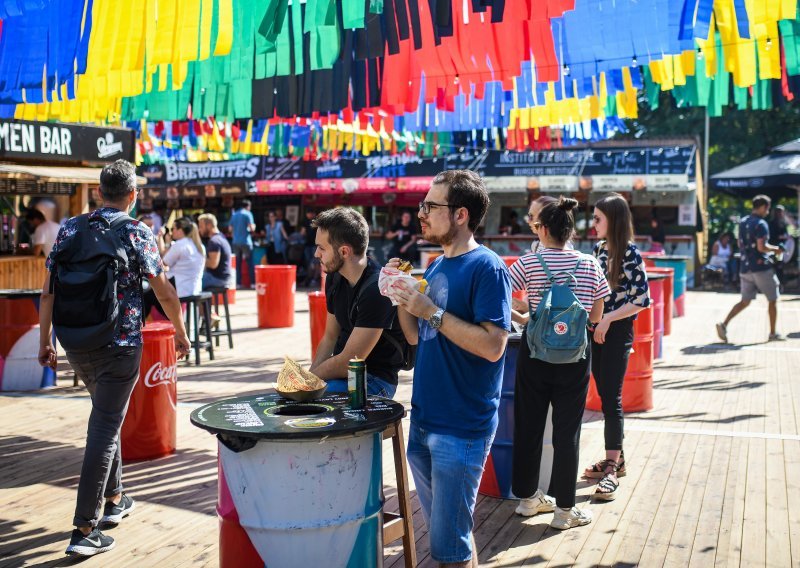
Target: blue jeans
{"x": 375, "y": 385}
{"x": 211, "y": 281}
{"x": 447, "y": 471}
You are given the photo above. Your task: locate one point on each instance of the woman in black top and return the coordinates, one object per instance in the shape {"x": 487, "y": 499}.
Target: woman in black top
{"x": 613, "y": 336}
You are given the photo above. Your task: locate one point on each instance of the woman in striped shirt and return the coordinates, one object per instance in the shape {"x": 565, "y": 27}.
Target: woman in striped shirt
{"x": 613, "y": 338}
{"x": 540, "y": 384}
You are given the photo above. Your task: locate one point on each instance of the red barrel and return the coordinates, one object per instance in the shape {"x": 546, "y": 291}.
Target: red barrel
{"x": 236, "y": 550}
{"x": 232, "y": 289}
{"x": 275, "y": 286}
{"x": 518, "y": 294}
{"x": 17, "y": 317}
{"x": 150, "y": 426}
{"x": 648, "y": 257}
{"x": 637, "y": 387}
{"x": 656, "y": 283}
{"x": 317, "y": 316}
{"x": 668, "y": 294}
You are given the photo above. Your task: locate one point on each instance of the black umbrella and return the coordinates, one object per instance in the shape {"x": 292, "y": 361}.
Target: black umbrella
{"x": 777, "y": 174}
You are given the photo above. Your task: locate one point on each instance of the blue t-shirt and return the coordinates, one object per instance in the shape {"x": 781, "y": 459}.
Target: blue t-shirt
{"x": 752, "y": 228}
{"x": 240, "y": 221}
{"x": 454, "y": 391}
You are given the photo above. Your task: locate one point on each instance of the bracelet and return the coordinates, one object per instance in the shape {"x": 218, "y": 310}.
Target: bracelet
{"x": 591, "y": 326}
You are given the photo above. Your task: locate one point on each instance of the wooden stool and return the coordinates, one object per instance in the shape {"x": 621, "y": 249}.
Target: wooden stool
{"x": 400, "y": 525}
{"x": 217, "y": 293}
{"x": 193, "y": 323}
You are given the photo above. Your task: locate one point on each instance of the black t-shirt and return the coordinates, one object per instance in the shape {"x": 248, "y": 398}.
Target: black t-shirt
{"x": 372, "y": 311}
{"x": 311, "y": 233}
{"x": 401, "y": 239}
{"x": 218, "y": 243}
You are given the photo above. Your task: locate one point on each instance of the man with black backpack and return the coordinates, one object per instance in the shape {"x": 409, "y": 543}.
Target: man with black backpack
{"x": 361, "y": 322}
{"x": 93, "y": 299}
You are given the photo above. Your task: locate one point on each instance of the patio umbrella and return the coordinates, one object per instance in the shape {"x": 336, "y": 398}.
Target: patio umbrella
{"x": 777, "y": 174}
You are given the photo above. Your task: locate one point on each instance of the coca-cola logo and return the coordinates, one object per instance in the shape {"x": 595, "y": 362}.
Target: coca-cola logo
{"x": 158, "y": 375}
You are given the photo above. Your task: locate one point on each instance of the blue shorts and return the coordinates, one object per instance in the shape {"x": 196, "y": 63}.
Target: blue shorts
{"x": 454, "y": 467}
{"x": 375, "y": 385}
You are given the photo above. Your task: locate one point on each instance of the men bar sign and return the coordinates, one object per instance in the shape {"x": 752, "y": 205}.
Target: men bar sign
{"x": 59, "y": 142}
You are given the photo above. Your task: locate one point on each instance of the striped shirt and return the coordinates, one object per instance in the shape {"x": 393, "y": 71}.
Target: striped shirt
{"x": 527, "y": 274}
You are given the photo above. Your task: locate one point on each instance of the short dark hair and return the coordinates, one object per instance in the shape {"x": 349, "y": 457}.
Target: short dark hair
{"x": 345, "y": 226}
{"x": 117, "y": 180}
{"x": 557, "y": 217}
{"x": 465, "y": 188}
{"x": 245, "y": 203}
{"x": 760, "y": 201}
{"x": 35, "y": 215}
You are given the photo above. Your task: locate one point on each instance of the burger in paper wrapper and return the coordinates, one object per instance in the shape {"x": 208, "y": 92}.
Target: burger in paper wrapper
{"x": 296, "y": 383}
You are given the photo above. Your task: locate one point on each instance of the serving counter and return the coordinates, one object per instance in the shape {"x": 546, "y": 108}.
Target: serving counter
{"x": 20, "y": 271}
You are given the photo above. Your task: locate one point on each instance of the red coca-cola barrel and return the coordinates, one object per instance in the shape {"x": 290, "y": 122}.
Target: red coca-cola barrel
{"x": 637, "y": 387}
{"x": 317, "y": 316}
{"x": 669, "y": 299}
{"x": 275, "y": 287}
{"x": 656, "y": 283}
{"x": 150, "y": 426}
{"x": 518, "y": 294}
{"x": 649, "y": 256}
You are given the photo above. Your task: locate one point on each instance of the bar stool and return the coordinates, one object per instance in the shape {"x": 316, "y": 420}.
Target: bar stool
{"x": 397, "y": 525}
{"x": 218, "y": 292}
{"x": 193, "y": 323}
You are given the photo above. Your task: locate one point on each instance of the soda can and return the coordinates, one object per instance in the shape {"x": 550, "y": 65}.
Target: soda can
{"x": 357, "y": 382}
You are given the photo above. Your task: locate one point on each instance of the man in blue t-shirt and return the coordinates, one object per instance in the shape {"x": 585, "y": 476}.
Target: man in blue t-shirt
{"x": 757, "y": 272}
{"x": 461, "y": 326}
{"x": 243, "y": 224}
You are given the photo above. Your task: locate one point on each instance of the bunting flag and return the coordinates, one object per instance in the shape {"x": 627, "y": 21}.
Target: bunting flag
{"x": 369, "y": 76}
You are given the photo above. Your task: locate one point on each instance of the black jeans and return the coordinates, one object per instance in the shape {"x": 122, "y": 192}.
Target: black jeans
{"x": 109, "y": 373}
{"x": 539, "y": 384}
{"x": 609, "y": 365}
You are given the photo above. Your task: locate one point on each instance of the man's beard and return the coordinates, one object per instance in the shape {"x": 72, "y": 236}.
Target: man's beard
{"x": 446, "y": 239}
{"x": 335, "y": 265}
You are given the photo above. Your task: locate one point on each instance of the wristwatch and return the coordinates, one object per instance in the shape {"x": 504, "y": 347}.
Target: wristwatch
{"x": 435, "y": 320}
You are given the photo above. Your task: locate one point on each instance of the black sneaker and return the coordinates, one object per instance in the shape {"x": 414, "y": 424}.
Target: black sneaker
{"x": 93, "y": 543}
{"x": 113, "y": 514}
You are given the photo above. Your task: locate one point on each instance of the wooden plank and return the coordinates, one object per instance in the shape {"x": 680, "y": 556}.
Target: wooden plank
{"x": 779, "y": 552}
{"x": 791, "y": 452}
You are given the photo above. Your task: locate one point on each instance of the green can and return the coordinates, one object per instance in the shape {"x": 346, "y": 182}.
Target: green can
{"x": 357, "y": 382}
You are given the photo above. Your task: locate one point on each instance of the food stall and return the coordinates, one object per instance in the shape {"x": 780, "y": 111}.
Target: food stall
{"x": 48, "y": 160}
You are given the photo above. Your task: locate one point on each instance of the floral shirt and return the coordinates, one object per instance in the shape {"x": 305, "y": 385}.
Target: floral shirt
{"x": 632, "y": 286}
{"x": 144, "y": 261}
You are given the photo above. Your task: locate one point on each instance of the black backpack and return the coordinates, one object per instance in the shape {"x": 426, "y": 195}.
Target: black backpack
{"x": 84, "y": 282}
{"x": 408, "y": 351}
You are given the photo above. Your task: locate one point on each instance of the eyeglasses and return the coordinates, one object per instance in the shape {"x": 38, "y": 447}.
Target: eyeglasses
{"x": 536, "y": 225}
{"x": 426, "y": 206}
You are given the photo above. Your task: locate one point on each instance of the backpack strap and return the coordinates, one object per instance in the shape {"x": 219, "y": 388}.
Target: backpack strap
{"x": 547, "y": 272}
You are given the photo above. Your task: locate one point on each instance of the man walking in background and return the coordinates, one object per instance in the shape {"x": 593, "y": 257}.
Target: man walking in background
{"x": 757, "y": 272}
{"x": 243, "y": 225}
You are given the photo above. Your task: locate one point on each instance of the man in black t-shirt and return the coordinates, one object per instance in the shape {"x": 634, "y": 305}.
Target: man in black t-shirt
{"x": 404, "y": 237}
{"x": 217, "y": 272}
{"x": 361, "y": 322}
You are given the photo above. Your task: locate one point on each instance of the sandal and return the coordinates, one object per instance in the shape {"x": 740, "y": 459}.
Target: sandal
{"x": 607, "y": 488}
{"x": 597, "y": 470}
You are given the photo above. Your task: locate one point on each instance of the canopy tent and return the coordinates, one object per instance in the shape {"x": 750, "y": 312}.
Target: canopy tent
{"x": 777, "y": 174}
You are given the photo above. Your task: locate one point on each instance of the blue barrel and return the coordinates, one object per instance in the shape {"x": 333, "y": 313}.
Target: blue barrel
{"x": 679, "y": 264}
{"x": 496, "y": 480}
{"x": 259, "y": 255}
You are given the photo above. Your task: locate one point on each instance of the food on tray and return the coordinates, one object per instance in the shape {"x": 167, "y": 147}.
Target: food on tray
{"x": 292, "y": 378}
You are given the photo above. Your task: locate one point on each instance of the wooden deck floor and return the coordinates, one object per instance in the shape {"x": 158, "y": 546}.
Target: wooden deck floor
{"x": 713, "y": 469}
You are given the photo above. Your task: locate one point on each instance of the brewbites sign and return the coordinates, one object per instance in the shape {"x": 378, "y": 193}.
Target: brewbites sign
{"x": 201, "y": 173}
{"x": 52, "y": 141}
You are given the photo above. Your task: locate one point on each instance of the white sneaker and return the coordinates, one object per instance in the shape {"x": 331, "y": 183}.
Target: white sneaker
{"x": 539, "y": 503}
{"x": 568, "y": 518}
